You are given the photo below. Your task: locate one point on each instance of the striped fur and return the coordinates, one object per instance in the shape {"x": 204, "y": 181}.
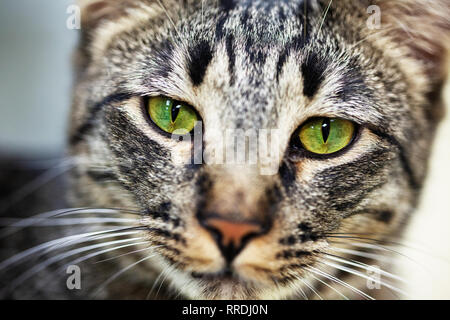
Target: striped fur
{"x": 258, "y": 64}
{"x": 250, "y": 64}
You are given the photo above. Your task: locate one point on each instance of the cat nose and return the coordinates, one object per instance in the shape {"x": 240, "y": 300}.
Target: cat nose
{"x": 232, "y": 236}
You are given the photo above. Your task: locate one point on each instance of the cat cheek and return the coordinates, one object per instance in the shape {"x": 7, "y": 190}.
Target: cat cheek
{"x": 201, "y": 251}
{"x": 181, "y": 153}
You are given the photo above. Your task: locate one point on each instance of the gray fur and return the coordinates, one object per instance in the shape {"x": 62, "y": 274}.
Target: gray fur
{"x": 261, "y": 73}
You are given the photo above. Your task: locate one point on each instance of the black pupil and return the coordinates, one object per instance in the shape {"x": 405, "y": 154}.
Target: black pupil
{"x": 325, "y": 129}
{"x": 175, "y": 111}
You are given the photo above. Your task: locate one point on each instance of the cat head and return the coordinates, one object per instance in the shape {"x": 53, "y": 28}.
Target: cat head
{"x": 347, "y": 103}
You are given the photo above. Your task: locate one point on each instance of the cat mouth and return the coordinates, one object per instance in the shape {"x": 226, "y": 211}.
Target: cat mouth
{"x": 227, "y": 276}
{"x": 231, "y": 284}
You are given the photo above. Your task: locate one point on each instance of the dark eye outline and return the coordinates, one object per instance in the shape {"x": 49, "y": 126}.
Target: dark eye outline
{"x": 153, "y": 125}
{"x": 298, "y": 151}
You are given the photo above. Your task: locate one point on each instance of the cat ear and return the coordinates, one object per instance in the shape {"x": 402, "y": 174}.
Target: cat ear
{"x": 423, "y": 26}
{"x": 93, "y": 12}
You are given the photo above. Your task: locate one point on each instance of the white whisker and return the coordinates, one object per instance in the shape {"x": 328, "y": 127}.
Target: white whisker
{"x": 362, "y": 275}
{"x": 329, "y": 286}
{"x": 302, "y": 292}
{"x": 116, "y": 275}
{"x": 167, "y": 271}
{"x": 155, "y": 283}
{"x": 170, "y": 19}
{"x": 19, "y": 223}
{"x": 363, "y": 254}
{"x": 339, "y": 281}
{"x": 325, "y": 16}
{"x": 363, "y": 266}
{"x": 128, "y": 253}
{"x": 386, "y": 249}
{"x": 57, "y": 243}
{"x": 41, "y": 266}
{"x": 97, "y": 253}
{"x": 35, "y": 184}
{"x": 310, "y": 287}
{"x": 28, "y": 222}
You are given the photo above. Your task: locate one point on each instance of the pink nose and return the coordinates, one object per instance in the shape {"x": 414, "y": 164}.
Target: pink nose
{"x": 231, "y": 236}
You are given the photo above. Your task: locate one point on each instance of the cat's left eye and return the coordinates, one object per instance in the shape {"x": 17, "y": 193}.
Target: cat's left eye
{"x": 170, "y": 115}
{"x": 326, "y": 136}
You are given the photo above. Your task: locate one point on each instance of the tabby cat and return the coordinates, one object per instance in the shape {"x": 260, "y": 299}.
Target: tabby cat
{"x": 354, "y": 106}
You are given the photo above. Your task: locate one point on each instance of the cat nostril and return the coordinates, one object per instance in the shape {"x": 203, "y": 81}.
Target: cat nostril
{"x": 232, "y": 236}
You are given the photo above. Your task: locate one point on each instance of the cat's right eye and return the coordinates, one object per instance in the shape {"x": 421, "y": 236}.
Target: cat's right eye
{"x": 170, "y": 115}
{"x": 325, "y": 136}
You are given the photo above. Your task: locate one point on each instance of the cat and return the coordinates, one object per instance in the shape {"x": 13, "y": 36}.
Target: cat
{"x": 354, "y": 106}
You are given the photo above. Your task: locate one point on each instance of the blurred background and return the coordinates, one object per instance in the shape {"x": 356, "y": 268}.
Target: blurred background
{"x": 35, "y": 75}
{"x": 35, "y": 95}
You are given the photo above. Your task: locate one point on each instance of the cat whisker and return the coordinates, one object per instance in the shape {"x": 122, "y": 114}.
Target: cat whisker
{"x": 363, "y": 254}
{"x": 120, "y": 232}
{"x": 383, "y": 259}
{"x": 372, "y": 246}
{"x": 384, "y": 245}
{"x": 375, "y": 244}
{"x": 41, "y": 266}
{"x": 362, "y": 275}
{"x": 11, "y": 223}
{"x": 35, "y": 184}
{"x": 303, "y": 294}
{"x": 387, "y": 249}
{"x": 378, "y": 33}
{"x": 155, "y": 283}
{"x": 167, "y": 272}
{"x": 339, "y": 281}
{"x": 28, "y": 222}
{"x": 328, "y": 286}
{"x": 177, "y": 295}
{"x": 354, "y": 236}
{"x": 203, "y": 12}
{"x": 65, "y": 241}
{"x": 310, "y": 287}
{"x": 129, "y": 253}
{"x": 170, "y": 19}
{"x": 97, "y": 253}
{"x": 118, "y": 274}
{"x": 362, "y": 266}
{"x": 379, "y": 248}
{"x": 324, "y": 16}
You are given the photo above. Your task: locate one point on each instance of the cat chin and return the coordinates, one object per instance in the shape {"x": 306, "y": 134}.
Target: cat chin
{"x": 227, "y": 288}
{"x": 238, "y": 291}
{"x": 222, "y": 286}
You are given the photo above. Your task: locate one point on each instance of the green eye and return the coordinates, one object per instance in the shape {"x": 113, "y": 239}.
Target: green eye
{"x": 326, "y": 135}
{"x": 171, "y": 115}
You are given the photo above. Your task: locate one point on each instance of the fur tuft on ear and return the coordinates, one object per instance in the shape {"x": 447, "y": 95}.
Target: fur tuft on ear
{"x": 423, "y": 27}
{"x": 94, "y": 12}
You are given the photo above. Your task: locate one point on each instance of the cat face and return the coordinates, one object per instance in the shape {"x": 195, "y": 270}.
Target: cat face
{"x": 232, "y": 230}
